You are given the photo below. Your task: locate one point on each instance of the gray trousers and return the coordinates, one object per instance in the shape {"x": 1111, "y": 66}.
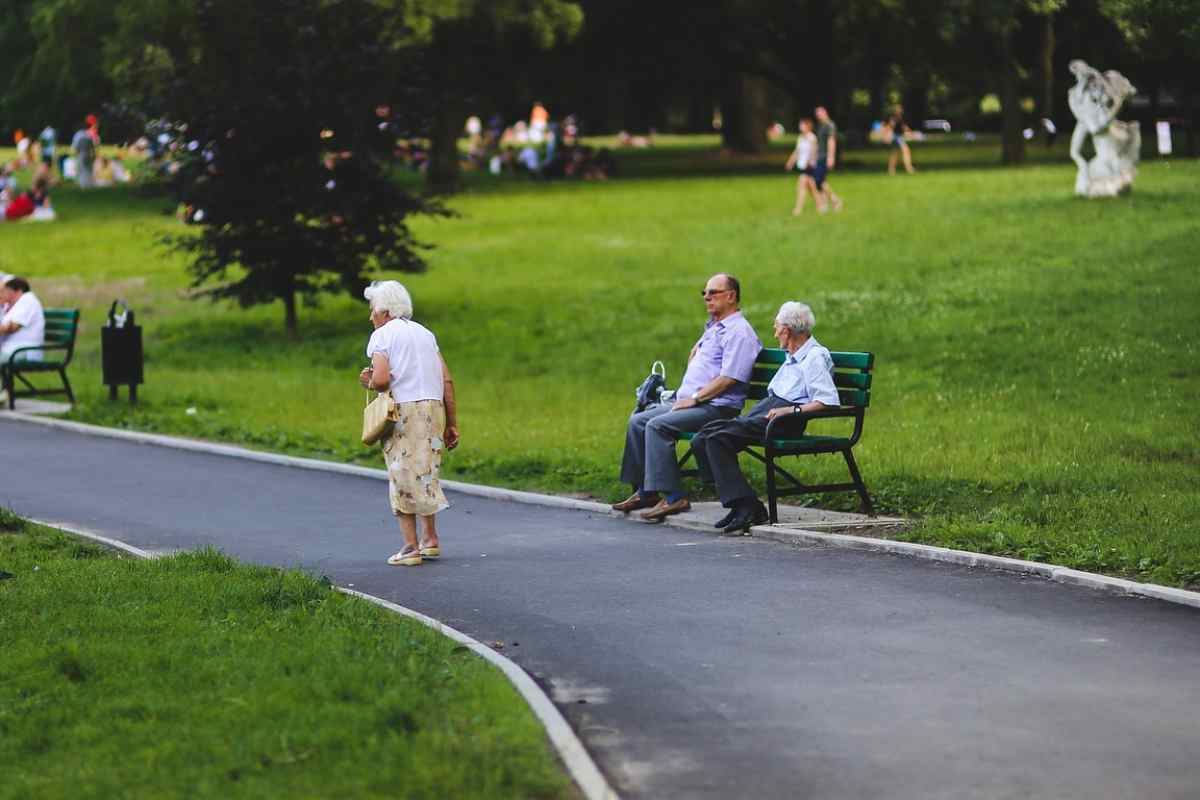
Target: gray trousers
{"x": 718, "y": 443}
{"x": 650, "y": 462}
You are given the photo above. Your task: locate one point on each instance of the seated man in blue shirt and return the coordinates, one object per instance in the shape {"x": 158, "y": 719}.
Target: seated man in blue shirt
{"x": 804, "y": 382}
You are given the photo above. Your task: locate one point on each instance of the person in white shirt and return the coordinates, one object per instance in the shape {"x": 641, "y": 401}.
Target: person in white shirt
{"x": 22, "y": 328}
{"x": 804, "y": 159}
{"x": 23, "y": 324}
{"x": 804, "y": 383}
{"x": 405, "y": 360}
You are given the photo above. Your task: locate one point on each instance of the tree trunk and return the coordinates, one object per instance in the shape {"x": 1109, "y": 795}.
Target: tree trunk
{"x": 1013, "y": 143}
{"x": 916, "y": 102}
{"x": 443, "y": 172}
{"x": 290, "y": 322}
{"x": 879, "y": 100}
{"x": 700, "y": 112}
{"x": 1048, "y": 45}
{"x": 745, "y": 114}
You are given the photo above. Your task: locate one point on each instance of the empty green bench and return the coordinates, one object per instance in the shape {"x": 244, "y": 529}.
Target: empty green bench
{"x": 62, "y": 324}
{"x": 786, "y": 436}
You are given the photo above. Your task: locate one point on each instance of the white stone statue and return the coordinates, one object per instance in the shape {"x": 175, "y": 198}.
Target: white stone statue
{"x": 1095, "y": 100}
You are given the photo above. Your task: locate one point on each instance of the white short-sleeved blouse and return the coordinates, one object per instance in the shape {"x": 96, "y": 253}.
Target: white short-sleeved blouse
{"x": 413, "y": 361}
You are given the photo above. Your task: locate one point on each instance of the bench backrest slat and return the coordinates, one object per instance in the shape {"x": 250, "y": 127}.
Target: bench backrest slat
{"x": 851, "y": 374}
{"x": 61, "y": 325}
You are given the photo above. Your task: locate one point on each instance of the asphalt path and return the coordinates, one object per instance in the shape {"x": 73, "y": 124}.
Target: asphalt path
{"x": 699, "y": 666}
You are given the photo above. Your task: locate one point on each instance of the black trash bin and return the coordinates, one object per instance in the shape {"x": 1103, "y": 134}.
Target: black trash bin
{"x": 121, "y": 351}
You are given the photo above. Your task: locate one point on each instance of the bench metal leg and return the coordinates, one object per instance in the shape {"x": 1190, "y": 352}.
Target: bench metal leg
{"x": 772, "y": 500}
{"x": 67, "y": 385}
{"x": 7, "y": 379}
{"x": 859, "y": 486}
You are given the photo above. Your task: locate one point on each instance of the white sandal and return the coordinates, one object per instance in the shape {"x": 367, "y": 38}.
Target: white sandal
{"x": 406, "y": 558}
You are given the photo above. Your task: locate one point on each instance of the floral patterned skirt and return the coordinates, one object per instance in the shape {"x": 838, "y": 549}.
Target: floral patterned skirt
{"x": 413, "y": 454}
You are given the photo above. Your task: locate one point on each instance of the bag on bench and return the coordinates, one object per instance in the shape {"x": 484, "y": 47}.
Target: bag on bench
{"x": 655, "y": 384}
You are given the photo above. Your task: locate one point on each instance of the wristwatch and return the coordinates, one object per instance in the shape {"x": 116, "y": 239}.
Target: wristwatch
{"x": 696, "y": 397}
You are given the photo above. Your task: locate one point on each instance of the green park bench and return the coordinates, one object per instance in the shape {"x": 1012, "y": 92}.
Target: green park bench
{"x": 786, "y": 436}
{"x": 61, "y": 326}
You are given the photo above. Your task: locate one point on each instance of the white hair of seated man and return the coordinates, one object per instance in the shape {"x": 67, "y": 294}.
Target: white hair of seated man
{"x": 798, "y": 317}
{"x": 390, "y": 296}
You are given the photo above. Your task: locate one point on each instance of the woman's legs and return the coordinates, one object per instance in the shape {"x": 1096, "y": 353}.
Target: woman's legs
{"x": 429, "y": 529}
{"x": 892, "y": 154}
{"x": 907, "y": 152}
{"x": 408, "y": 529}
{"x": 801, "y": 188}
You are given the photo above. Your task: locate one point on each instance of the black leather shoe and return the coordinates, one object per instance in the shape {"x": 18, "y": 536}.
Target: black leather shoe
{"x": 725, "y": 520}
{"x": 746, "y": 517}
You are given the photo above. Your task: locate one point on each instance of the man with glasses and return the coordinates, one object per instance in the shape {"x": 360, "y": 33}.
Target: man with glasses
{"x": 713, "y": 388}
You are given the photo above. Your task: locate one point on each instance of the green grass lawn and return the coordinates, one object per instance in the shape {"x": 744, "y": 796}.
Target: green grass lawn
{"x": 194, "y": 676}
{"x": 1036, "y": 361}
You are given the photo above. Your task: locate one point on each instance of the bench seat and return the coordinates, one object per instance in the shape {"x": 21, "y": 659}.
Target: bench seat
{"x": 852, "y": 376}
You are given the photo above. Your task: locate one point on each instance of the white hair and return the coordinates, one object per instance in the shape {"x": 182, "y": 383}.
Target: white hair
{"x": 798, "y": 317}
{"x": 390, "y": 296}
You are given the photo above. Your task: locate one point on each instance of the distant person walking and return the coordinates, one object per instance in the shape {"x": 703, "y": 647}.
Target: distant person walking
{"x": 49, "y": 141}
{"x": 899, "y": 132}
{"x": 804, "y": 160}
{"x": 826, "y": 160}
{"x": 405, "y": 360}
{"x": 84, "y": 147}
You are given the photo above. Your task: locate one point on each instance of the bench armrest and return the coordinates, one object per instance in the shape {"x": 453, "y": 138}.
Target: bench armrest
{"x": 793, "y": 425}
{"x": 37, "y": 347}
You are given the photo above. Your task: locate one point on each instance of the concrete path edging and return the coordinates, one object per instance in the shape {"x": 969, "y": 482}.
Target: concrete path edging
{"x": 582, "y": 769}
{"x": 1053, "y": 572}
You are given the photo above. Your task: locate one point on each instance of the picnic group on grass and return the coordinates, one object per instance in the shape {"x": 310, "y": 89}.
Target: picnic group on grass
{"x": 81, "y": 162}
{"x": 405, "y": 361}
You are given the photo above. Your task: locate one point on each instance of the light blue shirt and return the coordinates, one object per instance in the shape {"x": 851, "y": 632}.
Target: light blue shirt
{"x": 806, "y": 376}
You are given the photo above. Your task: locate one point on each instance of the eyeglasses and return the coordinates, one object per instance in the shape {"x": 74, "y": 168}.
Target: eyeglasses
{"x": 711, "y": 292}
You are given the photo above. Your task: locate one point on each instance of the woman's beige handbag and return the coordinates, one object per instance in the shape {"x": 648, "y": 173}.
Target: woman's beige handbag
{"x": 378, "y": 417}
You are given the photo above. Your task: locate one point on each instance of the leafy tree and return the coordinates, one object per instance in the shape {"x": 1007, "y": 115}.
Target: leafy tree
{"x": 53, "y": 60}
{"x": 285, "y": 160}
{"x": 467, "y": 47}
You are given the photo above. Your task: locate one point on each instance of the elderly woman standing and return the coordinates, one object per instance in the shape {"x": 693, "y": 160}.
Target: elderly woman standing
{"x": 405, "y": 360}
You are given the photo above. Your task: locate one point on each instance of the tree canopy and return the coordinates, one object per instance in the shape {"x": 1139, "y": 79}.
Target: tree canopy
{"x": 666, "y": 64}
{"x": 283, "y": 162}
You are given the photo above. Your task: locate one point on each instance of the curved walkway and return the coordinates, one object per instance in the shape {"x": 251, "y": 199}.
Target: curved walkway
{"x": 698, "y": 666}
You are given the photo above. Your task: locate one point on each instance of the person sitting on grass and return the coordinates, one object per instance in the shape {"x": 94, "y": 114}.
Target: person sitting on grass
{"x": 803, "y": 383}
{"x": 23, "y": 325}
{"x": 713, "y": 388}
